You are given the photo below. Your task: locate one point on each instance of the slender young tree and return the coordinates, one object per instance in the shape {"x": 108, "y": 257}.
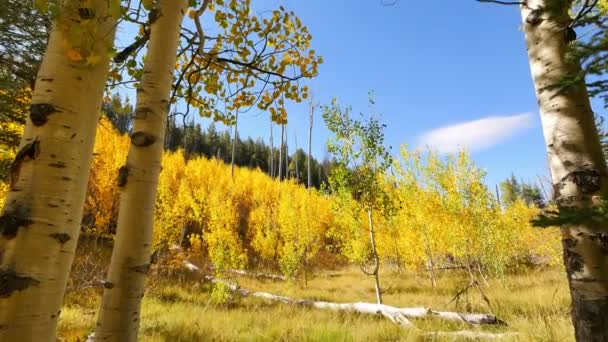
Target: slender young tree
{"x": 124, "y": 288}
{"x": 297, "y": 171}
{"x": 272, "y": 172}
{"x": 578, "y": 168}
{"x": 40, "y": 222}
{"x": 235, "y": 138}
{"x": 362, "y": 159}
{"x": 310, "y": 121}
{"x": 281, "y": 147}
{"x": 286, "y": 154}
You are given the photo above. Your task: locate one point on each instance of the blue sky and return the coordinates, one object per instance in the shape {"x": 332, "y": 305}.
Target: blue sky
{"x": 431, "y": 66}
{"x": 454, "y": 73}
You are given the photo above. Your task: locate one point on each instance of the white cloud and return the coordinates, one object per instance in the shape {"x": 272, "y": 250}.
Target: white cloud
{"x": 477, "y": 134}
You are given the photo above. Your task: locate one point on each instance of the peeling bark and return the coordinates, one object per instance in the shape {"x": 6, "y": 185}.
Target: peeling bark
{"x": 34, "y": 266}
{"x": 119, "y": 314}
{"x": 578, "y": 168}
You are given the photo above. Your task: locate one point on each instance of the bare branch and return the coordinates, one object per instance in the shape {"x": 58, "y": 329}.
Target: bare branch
{"x": 519, "y": 3}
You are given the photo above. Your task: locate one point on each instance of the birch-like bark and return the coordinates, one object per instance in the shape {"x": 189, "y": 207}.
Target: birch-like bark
{"x": 375, "y": 273}
{"x": 271, "y": 152}
{"x": 286, "y": 155}
{"x": 40, "y": 222}
{"x": 296, "y": 157}
{"x": 281, "y": 152}
{"x": 124, "y": 288}
{"x": 234, "y": 141}
{"x": 312, "y": 109}
{"x": 578, "y": 168}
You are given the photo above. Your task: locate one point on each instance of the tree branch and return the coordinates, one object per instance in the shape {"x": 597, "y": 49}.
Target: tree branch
{"x": 519, "y": 3}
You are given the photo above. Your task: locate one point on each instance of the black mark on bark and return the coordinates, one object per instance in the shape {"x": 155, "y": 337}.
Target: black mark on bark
{"x": 59, "y": 165}
{"x": 12, "y": 220}
{"x": 61, "y": 237}
{"x": 143, "y": 269}
{"x": 28, "y": 152}
{"x": 123, "y": 176}
{"x": 587, "y": 181}
{"x": 535, "y": 17}
{"x": 86, "y": 13}
{"x": 10, "y": 282}
{"x": 39, "y": 113}
{"x": 142, "y": 139}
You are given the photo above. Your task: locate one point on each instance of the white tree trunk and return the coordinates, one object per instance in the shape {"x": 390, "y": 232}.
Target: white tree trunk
{"x": 311, "y": 116}
{"x": 281, "y": 152}
{"x": 296, "y": 157}
{"x": 578, "y": 168}
{"x": 234, "y": 141}
{"x": 272, "y": 172}
{"x": 286, "y": 154}
{"x": 119, "y": 316}
{"x": 40, "y": 222}
{"x": 375, "y": 258}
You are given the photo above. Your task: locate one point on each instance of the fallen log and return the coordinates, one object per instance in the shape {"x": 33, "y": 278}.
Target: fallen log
{"x": 396, "y": 315}
{"x": 258, "y": 275}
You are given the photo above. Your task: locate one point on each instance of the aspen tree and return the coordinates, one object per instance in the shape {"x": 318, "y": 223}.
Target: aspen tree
{"x": 40, "y": 222}
{"x": 578, "y": 168}
{"x": 124, "y": 288}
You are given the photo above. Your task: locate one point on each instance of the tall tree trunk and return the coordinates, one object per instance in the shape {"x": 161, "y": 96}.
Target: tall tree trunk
{"x": 234, "y": 141}
{"x": 296, "y": 157}
{"x": 124, "y": 288}
{"x": 286, "y": 155}
{"x": 281, "y": 152}
{"x": 429, "y": 255}
{"x": 271, "y": 152}
{"x": 40, "y": 222}
{"x": 312, "y": 110}
{"x": 577, "y": 165}
{"x": 376, "y": 272}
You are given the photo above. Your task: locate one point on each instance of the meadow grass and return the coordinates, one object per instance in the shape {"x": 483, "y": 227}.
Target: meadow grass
{"x": 535, "y": 304}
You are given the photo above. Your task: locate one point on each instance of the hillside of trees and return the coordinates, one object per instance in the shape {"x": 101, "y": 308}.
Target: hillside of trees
{"x": 132, "y": 222}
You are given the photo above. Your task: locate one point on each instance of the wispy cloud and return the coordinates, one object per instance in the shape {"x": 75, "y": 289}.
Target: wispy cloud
{"x": 477, "y": 134}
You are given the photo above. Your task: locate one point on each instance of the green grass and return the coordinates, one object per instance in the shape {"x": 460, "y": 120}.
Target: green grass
{"x": 536, "y": 305}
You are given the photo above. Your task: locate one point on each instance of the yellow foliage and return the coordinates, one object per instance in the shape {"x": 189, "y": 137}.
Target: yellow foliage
{"x": 3, "y": 191}
{"x": 443, "y": 214}
{"x": 110, "y": 153}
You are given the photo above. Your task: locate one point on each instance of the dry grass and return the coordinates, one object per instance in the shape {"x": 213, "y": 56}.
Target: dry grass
{"x": 534, "y": 304}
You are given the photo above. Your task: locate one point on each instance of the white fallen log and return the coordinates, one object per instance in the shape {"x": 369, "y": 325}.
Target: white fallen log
{"x": 397, "y": 315}
{"x": 258, "y": 275}
{"x": 471, "y": 334}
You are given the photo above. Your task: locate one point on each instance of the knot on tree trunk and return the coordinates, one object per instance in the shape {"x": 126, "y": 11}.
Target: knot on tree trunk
{"x": 586, "y": 181}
